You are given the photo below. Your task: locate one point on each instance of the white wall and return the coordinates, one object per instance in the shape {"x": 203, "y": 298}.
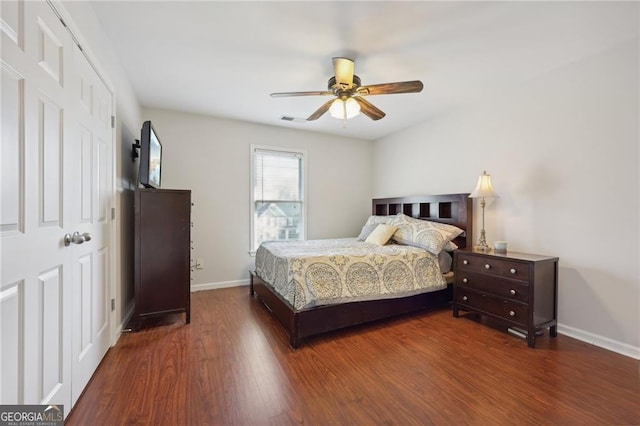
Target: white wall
{"x": 211, "y": 156}
{"x": 563, "y": 154}
{"x": 94, "y": 41}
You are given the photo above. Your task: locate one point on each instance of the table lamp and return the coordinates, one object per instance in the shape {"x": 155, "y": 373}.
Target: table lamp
{"x": 483, "y": 190}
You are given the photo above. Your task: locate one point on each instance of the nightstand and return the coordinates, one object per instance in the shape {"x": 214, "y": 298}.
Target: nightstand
{"x": 519, "y": 289}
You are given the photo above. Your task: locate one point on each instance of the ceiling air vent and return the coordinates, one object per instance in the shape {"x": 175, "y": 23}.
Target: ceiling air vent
{"x": 294, "y": 119}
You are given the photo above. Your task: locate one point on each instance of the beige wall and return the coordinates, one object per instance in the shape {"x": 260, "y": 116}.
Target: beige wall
{"x": 563, "y": 154}
{"x": 211, "y": 156}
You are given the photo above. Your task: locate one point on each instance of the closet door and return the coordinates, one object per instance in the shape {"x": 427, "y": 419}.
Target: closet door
{"x": 36, "y": 200}
{"x": 91, "y": 145}
{"x": 56, "y": 156}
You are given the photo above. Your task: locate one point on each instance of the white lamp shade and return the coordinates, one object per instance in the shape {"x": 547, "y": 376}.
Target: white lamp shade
{"x": 344, "y": 109}
{"x": 483, "y": 188}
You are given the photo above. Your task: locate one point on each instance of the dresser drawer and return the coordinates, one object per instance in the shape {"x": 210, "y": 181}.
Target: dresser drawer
{"x": 502, "y": 287}
{"x": 494, "y": 266}
{"x": 485, "y": 303}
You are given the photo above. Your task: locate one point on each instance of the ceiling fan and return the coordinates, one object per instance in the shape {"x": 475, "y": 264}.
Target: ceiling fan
{"x": 349, "y": 93}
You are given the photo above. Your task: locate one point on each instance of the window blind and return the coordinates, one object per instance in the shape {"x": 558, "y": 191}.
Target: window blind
{"x": 277, "y": 196}
{"x": 277, "y": 176}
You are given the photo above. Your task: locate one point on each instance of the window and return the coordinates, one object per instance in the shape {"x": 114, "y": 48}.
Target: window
{"x": 277, "y": 197}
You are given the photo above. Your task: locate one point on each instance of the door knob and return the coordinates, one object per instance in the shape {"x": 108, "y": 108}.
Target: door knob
{"x": 76, "y": 238}
{"x": 87, "y": 236}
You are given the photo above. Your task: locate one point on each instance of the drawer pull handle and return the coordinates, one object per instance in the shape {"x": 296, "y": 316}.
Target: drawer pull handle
{"x": 512, "y": 313}
{"x": 464, "y": 280}
{"x": 466, "y": 262}
{"x": 512, "y": 270}
{"x": 464, "y": 298}
{"x": 512, "y": 292}
{"x": 487, "y": 266}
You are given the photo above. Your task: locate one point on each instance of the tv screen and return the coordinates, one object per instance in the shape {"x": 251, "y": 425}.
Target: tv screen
{"x": 150, "y": 157}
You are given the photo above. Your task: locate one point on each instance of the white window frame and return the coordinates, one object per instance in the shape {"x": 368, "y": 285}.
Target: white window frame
{"x": 303, "y": 195}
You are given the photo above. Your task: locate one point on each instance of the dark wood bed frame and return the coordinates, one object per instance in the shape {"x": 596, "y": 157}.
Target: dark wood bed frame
{"x": 454, "y": 209}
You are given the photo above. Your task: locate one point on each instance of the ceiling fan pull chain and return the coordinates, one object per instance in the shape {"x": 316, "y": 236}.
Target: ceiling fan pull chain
{"x": 344, "y": 109}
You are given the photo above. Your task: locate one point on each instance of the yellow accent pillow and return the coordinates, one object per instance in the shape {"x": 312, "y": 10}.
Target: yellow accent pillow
{"x": 381, "y": 234}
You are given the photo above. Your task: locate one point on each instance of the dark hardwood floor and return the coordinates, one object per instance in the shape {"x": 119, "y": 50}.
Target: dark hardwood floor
{"x": 232, "y": 365}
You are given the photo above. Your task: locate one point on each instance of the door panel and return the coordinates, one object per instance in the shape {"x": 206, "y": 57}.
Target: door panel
{"x": 12, "y": 195}
{"x": 12, "y": 23}
{"x": 12, "y": 220}
{"x": 103, "y": 175}
{"x": 50, "y": 149}
{"x": 100, "y": 318}
{"x": 50, "y": 350}
{"x": 91, "y": 326}
{"x": 50, "y": 49}
{"x": 56, "y": 155}
{"x": 83, "y": 293}
{"x": 12, "y": 336}
{"x": 86, "y": 164}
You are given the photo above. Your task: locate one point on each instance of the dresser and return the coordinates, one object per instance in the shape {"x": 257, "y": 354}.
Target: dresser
{"x": 162, "y": 253}
{"x": 518, "y": 289}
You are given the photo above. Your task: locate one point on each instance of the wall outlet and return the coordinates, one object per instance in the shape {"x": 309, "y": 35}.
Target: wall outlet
{"x": 199, "y": 263}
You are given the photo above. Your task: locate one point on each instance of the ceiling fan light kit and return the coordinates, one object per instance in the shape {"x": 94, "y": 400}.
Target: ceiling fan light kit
{"x": 349, "y": 93}
{"x": 344, "y": 109}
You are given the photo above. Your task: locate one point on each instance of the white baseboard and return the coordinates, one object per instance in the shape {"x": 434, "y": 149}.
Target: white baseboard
{"x": 214, "y": 286}
{"x": 600, "y": 341}
{"x": 120, "y": 327}
{"x": 128, "y": 316}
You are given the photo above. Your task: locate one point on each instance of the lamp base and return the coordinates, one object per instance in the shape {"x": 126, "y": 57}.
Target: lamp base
{"x": 482, "y": 242}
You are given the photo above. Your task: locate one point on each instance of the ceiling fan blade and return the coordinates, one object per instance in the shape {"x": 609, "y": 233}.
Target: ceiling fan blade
{"x": 368, "y": 109}
{"x": 390, "y": 88}
{"x": 283, "y": 94}
{"x": 318, "y": 113}
{"x": 343, "y": 69}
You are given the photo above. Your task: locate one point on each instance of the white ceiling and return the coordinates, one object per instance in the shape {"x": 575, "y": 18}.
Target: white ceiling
{"x": 225, "y": 58}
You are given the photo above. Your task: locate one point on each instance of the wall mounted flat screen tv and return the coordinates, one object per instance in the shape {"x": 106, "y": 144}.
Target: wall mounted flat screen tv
{"x": 150, "y": 157}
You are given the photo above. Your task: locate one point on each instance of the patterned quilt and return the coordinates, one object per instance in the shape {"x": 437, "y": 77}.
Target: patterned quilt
{"x": 323, "y": 272}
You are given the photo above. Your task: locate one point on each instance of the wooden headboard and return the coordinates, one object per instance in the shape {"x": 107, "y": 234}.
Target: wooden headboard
{"x": 453, "y": 209}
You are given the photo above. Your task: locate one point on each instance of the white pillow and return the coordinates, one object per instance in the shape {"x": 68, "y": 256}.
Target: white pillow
{"x": 366, "y": 231}
{"x": 453, "y": 230}
{"x": 444, "y": 261}
{"x": 379, "y": 219}
{"x": 451, "y": 246}
{"x": 382, "y": 234}
{"x": 431, "y": 236}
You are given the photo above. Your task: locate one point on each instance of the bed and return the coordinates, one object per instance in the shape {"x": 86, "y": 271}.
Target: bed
{"x": 302, "y": 317}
